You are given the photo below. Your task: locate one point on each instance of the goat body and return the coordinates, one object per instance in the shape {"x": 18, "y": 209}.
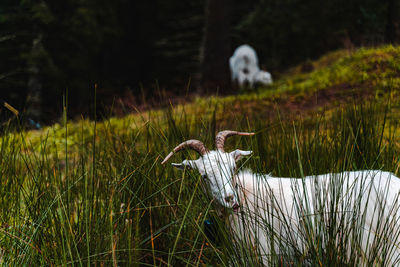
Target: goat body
{"x": 244, "y": 67}
{"x": 356, "y": 213}
{"x": 287, "y": 208}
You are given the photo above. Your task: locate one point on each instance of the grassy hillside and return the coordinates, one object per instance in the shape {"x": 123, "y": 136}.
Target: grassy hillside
{"x": 337, "y": 78}
{"x": 84, "y": 192}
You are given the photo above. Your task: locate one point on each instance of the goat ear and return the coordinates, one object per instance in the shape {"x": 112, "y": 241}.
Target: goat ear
{"x": 179, "y": 166}
{"x": 185, "y": 164}
{"x": 238, "y": 154}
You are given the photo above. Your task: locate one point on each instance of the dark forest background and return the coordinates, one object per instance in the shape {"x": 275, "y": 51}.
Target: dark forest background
{"x": 147, "y": 51}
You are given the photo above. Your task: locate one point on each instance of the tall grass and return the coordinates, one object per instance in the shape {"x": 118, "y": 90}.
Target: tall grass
{"x": 103, "y": 198}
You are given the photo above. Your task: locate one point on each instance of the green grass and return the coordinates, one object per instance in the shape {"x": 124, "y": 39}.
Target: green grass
{"x": 335, "y": 79}
{"x": 84, "y": 193}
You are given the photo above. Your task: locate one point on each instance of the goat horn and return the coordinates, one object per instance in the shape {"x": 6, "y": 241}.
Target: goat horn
{"x": 222, "y": 136}
{"x": 192, "y": 144}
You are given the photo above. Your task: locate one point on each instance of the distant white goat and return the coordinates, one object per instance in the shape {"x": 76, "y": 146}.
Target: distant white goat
{"x": 244, "y": 67}
{"x": 276, "y": 214}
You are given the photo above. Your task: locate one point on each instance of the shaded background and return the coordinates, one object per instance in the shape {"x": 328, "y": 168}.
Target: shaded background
{"x": 141, "y": 52}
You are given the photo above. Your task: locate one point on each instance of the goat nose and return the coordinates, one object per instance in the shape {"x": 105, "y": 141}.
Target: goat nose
{"x": 235, "y": 207}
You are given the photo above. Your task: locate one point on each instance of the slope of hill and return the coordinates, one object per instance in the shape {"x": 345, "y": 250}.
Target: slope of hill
{"x": 84, "y": 192}
{"x": 337, "y": 78}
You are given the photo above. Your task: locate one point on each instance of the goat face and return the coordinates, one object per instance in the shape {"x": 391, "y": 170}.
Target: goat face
{"x": 217, "y": 167}
{"x": 263, "y": 77}
{"x": 219, "y": 170}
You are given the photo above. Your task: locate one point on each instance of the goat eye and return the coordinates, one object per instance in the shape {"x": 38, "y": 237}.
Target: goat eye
{"x": 204, "y": 176}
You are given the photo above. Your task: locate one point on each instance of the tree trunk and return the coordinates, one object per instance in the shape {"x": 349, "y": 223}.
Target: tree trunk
{"x": 393, "y": 22}
{"x": 216, "y": 47}
{"x": 34, "y": 99}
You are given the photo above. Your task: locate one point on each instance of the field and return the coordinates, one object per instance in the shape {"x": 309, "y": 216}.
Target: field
{"x": 95, "y": 193}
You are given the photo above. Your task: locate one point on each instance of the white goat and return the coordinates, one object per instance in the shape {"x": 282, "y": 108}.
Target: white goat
{"x": 244, "y": 67}
{"x": 278, "y": 214}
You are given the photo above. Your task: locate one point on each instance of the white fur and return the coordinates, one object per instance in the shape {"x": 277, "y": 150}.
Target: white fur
{"x": 294, "y": 200}
{"x": 244, "y": 67}
{"x": 282, "y": 205}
